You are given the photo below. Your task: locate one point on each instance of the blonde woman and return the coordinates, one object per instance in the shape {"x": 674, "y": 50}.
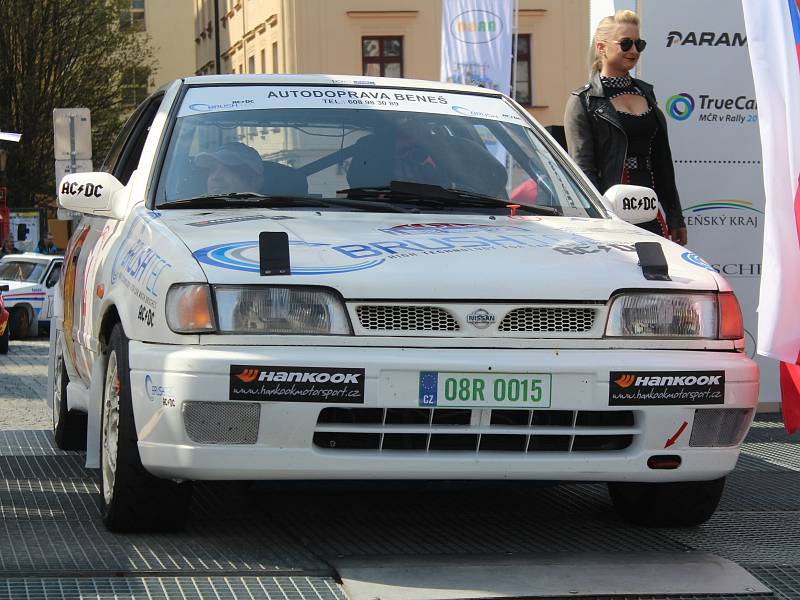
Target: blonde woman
{"x": 614, "y": 128}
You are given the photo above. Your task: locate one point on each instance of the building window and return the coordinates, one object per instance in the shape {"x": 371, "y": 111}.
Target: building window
{"x": 522, "y": 87}
{"x": 251, "y": 64}
{"x": 134, "y": 85}
{"x": 263, "y": 61}
{"x": 131, "y": 18}
{"x": 382, "y": 56}
{"x": 275, "y": 68}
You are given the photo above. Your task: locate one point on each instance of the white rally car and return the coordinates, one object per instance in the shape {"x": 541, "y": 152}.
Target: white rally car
{"x": 318, "y": 277}
{"x": 31, "y": 279}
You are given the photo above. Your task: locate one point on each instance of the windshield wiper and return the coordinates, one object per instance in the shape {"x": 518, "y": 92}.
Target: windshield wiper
{"x": 438, "y": 196}
{"x": 242, "y": 199}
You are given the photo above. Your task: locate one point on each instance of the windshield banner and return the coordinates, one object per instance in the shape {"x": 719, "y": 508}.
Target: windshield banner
{"x": 201, "y": 100}
{"x": 476, "y": 43}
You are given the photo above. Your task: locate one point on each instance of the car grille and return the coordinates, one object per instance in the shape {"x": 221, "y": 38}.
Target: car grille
{"x": 222, "y": 422}
{"x": 473, "y": 430}
{"x": 571, "y": 320}
{"x": 458, "y": 320}
{"x": 379, "y": 317}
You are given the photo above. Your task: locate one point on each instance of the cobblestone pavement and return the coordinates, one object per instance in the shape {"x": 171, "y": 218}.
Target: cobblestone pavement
{"x": 280, "y": 541}
{"x": 23, "y": 386}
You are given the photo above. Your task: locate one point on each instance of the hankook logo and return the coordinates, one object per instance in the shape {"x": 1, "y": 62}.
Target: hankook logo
{"x": 625, "y": 381}
{"x": 481, "y": 318}
{"x": 629, "y": 379}
{"x": 249, "y": 375}
{"x": 705, "y": 38}
{"x": 296, "y": 384}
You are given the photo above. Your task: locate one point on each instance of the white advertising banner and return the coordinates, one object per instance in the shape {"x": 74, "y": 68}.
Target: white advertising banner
{"x": 476, "y": 43}
{"x": 697, "y": 59}
{"x": 200, "y": 100}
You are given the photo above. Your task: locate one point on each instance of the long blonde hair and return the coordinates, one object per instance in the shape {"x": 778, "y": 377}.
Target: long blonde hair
{"x": 604, "y": 31}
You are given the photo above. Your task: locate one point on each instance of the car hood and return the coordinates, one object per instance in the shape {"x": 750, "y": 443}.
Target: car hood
{"x": 408, "y": 256}
{"x": 16, "y": 287}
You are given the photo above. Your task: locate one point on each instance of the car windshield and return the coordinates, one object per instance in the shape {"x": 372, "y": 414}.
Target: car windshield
{"x": 18, "y": 270}
{"x": 362, "y": 148}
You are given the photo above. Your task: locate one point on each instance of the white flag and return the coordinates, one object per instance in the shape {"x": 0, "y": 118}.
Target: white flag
{"x": 773, "y": 39}
{"x": 476, "y": 43}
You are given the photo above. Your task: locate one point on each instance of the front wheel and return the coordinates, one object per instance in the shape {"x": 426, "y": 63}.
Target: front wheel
{"x": 19, "y": 323}
{"x": 131, "y": 498}
{"x": 679, "y": 504}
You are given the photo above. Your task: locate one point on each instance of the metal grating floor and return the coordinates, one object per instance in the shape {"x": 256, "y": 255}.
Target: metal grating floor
{"x": 158, "y": 588}
{"x": 783, "y": 580}
{"x": 263, "y": 540}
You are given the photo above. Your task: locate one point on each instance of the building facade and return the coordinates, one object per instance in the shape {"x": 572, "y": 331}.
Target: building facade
{"x": 169, "y": 27}
{"x": 388, "y": 38}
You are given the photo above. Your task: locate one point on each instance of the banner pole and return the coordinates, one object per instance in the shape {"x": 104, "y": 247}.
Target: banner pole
{"x": 515, "y": 52}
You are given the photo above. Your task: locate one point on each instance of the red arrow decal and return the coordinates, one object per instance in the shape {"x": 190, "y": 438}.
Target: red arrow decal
{"x": 678, "y": 433}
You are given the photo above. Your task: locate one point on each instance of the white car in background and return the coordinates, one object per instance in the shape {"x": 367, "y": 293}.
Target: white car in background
{"x": 314, "y": 277}
{"x": 31, "y": 279}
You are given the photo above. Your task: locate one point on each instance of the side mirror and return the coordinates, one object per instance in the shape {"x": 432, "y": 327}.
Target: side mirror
{"x": 92, "y": 194}
{"x": 22, "y": 232}
{"x": 633, "y": 203}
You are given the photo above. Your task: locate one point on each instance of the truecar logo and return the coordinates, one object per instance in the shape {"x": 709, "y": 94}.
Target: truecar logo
{"x": 680, "y": 106}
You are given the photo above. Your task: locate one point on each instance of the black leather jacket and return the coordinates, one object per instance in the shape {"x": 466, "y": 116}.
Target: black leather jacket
{"x": 597, "y": 142}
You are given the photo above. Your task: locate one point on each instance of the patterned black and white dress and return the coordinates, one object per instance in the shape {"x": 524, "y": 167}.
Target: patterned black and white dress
{"x": 641, "y": 130}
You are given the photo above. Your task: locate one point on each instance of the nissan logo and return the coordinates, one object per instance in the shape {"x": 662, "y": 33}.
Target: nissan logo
{"x": 481, "y": 318}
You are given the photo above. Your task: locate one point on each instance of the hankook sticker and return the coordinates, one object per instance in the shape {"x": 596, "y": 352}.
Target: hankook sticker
{"x": 296, "y": 384}
{"x": 659, "y": 388}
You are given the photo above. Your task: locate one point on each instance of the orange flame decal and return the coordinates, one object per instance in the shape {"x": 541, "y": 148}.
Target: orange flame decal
{"x": 625, "y": 381}
{"x": 248, "y": 375}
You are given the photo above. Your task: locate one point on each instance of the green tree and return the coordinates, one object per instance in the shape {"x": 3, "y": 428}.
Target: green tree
{"x": 63, "y": 54}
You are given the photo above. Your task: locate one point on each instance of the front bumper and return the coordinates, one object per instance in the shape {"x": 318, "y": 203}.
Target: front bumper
{"x": 164, "y": 378}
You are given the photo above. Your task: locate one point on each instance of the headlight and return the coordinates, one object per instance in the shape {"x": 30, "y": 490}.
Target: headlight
{"x": 189, "y": 308}
{"x": 280, "y": 310}
{"x": 663, "y": 315}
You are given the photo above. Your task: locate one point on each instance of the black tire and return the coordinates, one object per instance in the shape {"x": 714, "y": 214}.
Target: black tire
{"x": 4, "y": 340}
{"x": 136, "y": 501}
{"x": 680, "y": 504}
{"x": 19, "y": 323}
{"x": 69, "y": 426}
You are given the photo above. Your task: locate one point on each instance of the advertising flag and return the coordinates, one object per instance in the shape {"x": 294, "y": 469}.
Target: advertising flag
{"x": 476, "y": 43}
{"x": 773, "y": 36}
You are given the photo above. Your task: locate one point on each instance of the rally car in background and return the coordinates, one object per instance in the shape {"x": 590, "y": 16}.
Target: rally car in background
{"x": 3, "y": 322}
{"x": 31, "y": 279}
{"x": 323, "y": 277}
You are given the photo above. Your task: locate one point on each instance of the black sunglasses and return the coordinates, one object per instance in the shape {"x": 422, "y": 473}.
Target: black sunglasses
{"x": 626, "y": 44}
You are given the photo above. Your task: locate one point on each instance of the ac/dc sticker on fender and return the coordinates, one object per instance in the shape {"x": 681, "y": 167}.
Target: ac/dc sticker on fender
{"x": 146, "y": 315}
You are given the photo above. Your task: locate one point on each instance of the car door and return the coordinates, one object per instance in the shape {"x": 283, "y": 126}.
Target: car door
{"x": 82, "y": 253}
{"x": 50, "y": 282}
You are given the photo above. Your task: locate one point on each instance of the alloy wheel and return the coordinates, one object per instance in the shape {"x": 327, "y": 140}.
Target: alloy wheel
{"x": 110, "y": 427}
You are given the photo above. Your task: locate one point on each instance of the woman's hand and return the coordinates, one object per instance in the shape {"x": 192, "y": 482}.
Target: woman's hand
{"x": 678, "y": 235}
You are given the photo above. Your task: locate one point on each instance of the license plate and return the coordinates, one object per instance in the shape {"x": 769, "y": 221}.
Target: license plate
{"x": 479, "y": 390}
